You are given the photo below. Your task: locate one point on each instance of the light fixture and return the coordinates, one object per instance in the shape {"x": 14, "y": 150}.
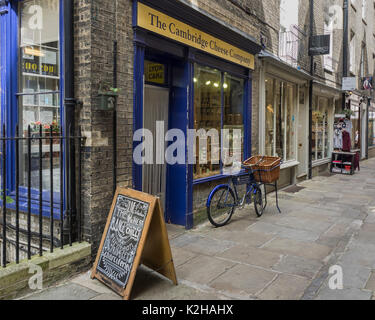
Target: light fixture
{"x": 208, "y": 83}
{"x": 225, "y": 86}
{"x": 216, "y": 85}
{"x": 195, "y": 80}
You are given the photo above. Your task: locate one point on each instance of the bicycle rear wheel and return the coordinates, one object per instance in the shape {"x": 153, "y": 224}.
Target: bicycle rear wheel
{"x": 221, "y": 206}
{"x": 259, "y": 202}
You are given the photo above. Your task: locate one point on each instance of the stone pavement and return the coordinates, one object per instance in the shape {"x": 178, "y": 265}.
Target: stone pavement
{"x": 331, "y": 221}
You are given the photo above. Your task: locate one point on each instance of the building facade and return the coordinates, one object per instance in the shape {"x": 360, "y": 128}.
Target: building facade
{"x": 115, "y": 67}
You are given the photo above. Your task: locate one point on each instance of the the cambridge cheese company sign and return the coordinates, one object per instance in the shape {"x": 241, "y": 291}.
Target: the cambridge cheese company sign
{"x": 168, "y": 27}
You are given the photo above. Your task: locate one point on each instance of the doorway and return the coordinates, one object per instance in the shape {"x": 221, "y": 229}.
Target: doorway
{"x": 155, "y": 118}
{"x": 302, "y": 136}
{"x": 363, "y": 131}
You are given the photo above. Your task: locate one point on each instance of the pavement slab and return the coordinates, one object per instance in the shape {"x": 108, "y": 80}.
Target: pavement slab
{"x": 298, "y": 266}
{"x": 285, "y": 287}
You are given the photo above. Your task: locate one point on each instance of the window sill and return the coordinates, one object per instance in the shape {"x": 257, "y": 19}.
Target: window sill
{"x": 46, "y": 206}
{"x": 289, "y": 164}
{"x": 318, "y": 163}
{"x": 214, "y": 178}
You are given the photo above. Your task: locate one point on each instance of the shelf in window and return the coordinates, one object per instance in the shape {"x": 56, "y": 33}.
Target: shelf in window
{"x": 40, "y": 76}
{"x": 39, "y": 106}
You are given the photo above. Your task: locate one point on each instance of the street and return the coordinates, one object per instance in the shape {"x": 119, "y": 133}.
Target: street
{"x": 329, "y": 221}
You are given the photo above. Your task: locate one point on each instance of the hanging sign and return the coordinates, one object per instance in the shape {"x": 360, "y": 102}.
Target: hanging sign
{"x": 319, "y": 45}
{"x": 349, "y": 83}
{"x": 135, "y": 233}
{"x": 171, "y": 28}
{"x": 367, "y": 83}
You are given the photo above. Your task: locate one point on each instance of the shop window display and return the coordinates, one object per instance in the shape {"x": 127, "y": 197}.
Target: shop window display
{"x": 39, "y": 82}
{"x": 280, "y": 119}
{"x": 218, "y": 104}
{"x": 321, "y": 144}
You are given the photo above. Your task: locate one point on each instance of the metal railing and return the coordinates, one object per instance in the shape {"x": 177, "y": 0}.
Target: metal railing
{"x": 47, "y": 151}
{"x": 293, "y": 47}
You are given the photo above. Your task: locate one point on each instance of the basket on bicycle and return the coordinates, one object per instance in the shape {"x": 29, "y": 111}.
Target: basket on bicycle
{"x": 266, "y": 169}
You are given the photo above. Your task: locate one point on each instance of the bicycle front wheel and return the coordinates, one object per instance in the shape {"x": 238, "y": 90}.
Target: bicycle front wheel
{"x": 259, "y": 203}
{"x": 221, "y": 206}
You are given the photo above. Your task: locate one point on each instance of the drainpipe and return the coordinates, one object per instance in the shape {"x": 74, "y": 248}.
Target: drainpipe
{"x": 311, "y": 88}
{"x": 345, "y": 47}
{"x": 69, "y": 114}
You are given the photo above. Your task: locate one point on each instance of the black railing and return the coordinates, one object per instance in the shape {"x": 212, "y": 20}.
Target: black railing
{"x": 36, "y": 185}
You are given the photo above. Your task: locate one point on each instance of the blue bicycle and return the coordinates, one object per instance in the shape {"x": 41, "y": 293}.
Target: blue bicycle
{"x": 224, "y": 199}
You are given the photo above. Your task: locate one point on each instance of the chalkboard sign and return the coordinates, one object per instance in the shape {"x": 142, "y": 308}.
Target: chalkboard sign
{"x": 135, "y": 229}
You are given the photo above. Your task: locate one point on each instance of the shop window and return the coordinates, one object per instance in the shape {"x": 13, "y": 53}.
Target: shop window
{"x": 280, "y": 119}
{"x": 371, "y": 126}
{"x": 39, "y": 83}
{"x": 321, "y": 144}
{"x": 218, "y": 104}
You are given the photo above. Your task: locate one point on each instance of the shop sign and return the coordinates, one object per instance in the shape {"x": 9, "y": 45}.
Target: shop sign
{"x": 35, "y": 68}
{"x": 367, "y": 83}
{"x": 319, "y": 45}
{"x": 349, "y": 83}
{"x": 171, "y": 28}
{"x": 135, "y": 234}
{"x": 154, "y": 72}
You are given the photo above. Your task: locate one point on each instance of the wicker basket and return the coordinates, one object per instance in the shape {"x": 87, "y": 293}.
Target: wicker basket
{"x": 266, "y": 169}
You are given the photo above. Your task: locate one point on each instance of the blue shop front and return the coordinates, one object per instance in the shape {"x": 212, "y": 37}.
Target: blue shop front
{"x": 190, "y": 72}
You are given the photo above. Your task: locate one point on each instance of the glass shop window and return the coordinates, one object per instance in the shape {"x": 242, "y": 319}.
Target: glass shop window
{"x": 280, "y": 119}
{"x": 218, "y": 104}
{"x": 39, "y": 85}
{"x": 321, "y": 144}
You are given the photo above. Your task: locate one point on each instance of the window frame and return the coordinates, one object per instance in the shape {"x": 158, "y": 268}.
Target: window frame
{"x": 247, "y": 107}
{"x": 10, "y": 111}
{"x": 295, "y": 106}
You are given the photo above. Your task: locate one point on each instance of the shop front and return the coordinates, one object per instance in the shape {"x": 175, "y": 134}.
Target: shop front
{"x": 191, "y": 74}
{"x": 325, "y": 102}
{"x": 284, "y": 117}
{"x": 371, "y": 130}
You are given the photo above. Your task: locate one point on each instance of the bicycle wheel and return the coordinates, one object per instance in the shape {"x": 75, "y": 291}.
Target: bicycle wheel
{"x": 259, "y": 203}
{"x": 221, "y": 206}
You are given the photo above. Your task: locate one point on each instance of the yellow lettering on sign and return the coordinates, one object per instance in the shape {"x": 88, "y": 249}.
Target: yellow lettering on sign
{"x": 171, "y": 28}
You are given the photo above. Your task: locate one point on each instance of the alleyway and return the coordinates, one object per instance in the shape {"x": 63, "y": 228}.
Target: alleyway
{"x": 331, "y": 221}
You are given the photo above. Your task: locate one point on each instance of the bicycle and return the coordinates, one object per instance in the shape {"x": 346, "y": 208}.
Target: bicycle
{"x": 223, "y": 199}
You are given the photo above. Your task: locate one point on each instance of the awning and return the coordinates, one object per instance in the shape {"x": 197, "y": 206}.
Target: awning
{"x": 277, "y": 62}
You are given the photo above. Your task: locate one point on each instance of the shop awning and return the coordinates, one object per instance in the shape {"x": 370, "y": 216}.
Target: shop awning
{"x": 276, "y": 61}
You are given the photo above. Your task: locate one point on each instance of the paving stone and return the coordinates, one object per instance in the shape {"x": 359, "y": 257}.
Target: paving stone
{"x": 181, "y": 256}
{"x": 92, "y": 284}
{"x": 175, "y": 231}
{"x": 370, "y": 285}
{"x": 285, "y": 287}
{"x": 247, "y": 237}
{"x": 208, "y": 246}
{"x": 243, "y": 280}
{"x": 284, "y": 231}
{"x": 305, "y": 223}
{"x": 307, "y": 250}
{"x": 361, "y": 254}
{"x": 109, "y": 297}
{"x": 203, "y": 269}
{"x": 298, "y": 266}
{"x": 355, "y": 275}
{"x": 70, "y": 291}
{"x": 345, "y": 294}
{"x": 252, "y": 256}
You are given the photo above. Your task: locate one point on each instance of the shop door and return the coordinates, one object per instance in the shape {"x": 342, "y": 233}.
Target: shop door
{"x": 156, "y": 108}
{"x": 302, "y": 137}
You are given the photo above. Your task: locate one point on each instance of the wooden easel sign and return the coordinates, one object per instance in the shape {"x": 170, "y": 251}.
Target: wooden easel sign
{"x": 135, "y": 234}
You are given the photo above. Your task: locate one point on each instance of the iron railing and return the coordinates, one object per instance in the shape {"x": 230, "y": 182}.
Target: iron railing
{"x": 293, "y": 47}
{"x": 41, "y": 150}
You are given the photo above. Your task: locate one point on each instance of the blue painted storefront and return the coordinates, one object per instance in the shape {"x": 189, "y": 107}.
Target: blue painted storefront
{"x": 180, "y": 182}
